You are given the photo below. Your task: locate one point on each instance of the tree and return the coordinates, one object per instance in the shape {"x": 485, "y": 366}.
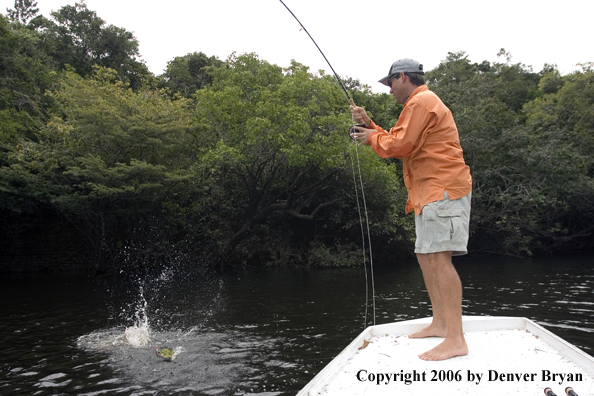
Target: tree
{"x": 529, "y": 166}
{"x": 23, "y": 12}
{"x": 274, "y": 144}
{"x": 503, "y": 207}
{"x": 105, "y": 161}
{"x": 566, "y": 103}
{"x": 187, "y": 74}
{"x": 255, "y": 168}
{"x": 24, "y": 76}
{"x": 561, "y": 123}
{"x": 79, "y": 38}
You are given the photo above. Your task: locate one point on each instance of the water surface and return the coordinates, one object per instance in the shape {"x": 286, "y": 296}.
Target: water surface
{"x": 265, "y": 332}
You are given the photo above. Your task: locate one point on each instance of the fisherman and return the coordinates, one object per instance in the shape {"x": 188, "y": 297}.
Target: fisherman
{"x": 439, "y": 190}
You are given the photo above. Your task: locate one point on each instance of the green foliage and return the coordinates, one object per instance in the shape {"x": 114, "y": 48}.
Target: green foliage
{"x": 24, "y": 73}
{"x": 248, "y": 163}
{"x": 109, "y": 154}
{"x": 77, "y": 37}
{"x": 255, "y": 168}
{"x": 187, "y": 74}
{"x": 275, "y": 144}
{"x": 530, "y": 165}
{"x": 24, "y": 78}
{"x": 23, "y": 12}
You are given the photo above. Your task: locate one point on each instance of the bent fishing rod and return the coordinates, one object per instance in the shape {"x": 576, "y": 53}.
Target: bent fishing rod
{"x": 351, "y": 101}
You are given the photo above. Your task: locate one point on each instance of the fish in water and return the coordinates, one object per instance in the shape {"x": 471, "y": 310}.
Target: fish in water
{"x": 165, "y": 353}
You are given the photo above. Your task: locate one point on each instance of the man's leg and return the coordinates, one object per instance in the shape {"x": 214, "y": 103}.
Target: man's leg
{"x": 445, "y": 292}
{"x": 437, "y": 328}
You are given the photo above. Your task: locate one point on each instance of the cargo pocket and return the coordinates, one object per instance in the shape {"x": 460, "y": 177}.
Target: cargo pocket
{"x": 451, "y": 219}
{"x": 429, "y": 214}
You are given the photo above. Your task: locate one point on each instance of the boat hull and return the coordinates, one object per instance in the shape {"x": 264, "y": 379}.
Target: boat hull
{"x": 353, "y": 370}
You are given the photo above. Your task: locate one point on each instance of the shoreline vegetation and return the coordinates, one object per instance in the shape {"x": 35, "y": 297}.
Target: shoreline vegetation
{"x": 106, "y": 166}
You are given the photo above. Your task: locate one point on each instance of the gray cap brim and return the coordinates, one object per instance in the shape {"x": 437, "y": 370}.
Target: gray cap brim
{"x": 403, "y": 65}
{"x": 385, "y": 80}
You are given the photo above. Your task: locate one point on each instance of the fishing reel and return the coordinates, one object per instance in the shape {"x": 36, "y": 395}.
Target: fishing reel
{"x": 354, "y": 129}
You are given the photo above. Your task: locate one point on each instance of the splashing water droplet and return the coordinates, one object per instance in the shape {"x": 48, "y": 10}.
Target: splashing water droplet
{"x": 139, "y": 334}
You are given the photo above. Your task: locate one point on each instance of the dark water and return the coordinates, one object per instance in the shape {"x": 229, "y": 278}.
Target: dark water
{"x": 251, "y": 333}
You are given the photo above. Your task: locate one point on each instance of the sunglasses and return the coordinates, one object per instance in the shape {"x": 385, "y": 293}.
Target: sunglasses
{"x": 396, "y": 77}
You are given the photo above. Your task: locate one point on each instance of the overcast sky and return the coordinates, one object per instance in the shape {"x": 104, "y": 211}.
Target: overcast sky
{"x": 360, "y": 38}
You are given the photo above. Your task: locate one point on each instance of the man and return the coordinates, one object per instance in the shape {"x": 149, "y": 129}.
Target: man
{"x": 439, "y": 190}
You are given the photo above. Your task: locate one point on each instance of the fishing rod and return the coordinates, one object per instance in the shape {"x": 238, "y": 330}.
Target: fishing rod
{"x": 352, "y": 102}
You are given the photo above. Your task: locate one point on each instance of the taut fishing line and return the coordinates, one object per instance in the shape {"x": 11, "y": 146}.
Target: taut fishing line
{"x": 363, "y": 236}
{"x": 352, "y": 102}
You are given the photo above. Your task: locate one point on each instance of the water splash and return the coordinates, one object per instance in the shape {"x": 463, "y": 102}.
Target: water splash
{"x": 139, "y": 334}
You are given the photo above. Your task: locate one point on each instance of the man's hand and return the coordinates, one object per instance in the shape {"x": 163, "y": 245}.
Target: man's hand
{"x": 361, "y": 134}
{"x": 360, "y": 115}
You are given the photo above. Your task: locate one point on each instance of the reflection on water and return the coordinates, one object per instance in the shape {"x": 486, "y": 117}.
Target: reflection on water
{"x": 248, "y": 333}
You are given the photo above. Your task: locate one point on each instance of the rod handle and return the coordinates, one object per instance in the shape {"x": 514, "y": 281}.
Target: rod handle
{"x": 352, "y": 102}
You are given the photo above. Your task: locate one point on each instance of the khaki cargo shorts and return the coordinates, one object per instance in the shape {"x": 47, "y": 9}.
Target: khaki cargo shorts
{"x": 443, "y": 226}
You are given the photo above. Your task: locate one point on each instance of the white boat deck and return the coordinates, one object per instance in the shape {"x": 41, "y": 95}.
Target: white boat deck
{"x": 508, "y": 356}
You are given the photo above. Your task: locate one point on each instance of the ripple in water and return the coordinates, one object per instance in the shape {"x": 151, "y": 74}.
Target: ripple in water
{"x": 205, "y": 361}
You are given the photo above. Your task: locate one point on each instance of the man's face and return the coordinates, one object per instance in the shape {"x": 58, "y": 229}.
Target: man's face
{"x": 397, "y": 89}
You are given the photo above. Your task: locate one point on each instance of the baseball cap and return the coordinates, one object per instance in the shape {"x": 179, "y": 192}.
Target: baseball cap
{"x": 403, "y": 65}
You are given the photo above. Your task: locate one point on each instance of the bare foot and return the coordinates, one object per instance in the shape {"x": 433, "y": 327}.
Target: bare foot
{"x": 430, "y": 331}
{"x": 447, "y": 349}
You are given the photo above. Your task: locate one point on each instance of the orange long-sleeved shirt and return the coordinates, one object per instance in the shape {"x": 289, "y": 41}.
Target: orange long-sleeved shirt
{"x": 427, "y": 140}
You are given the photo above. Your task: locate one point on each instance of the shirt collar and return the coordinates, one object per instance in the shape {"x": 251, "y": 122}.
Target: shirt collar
{"x": 419, "y": 89}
